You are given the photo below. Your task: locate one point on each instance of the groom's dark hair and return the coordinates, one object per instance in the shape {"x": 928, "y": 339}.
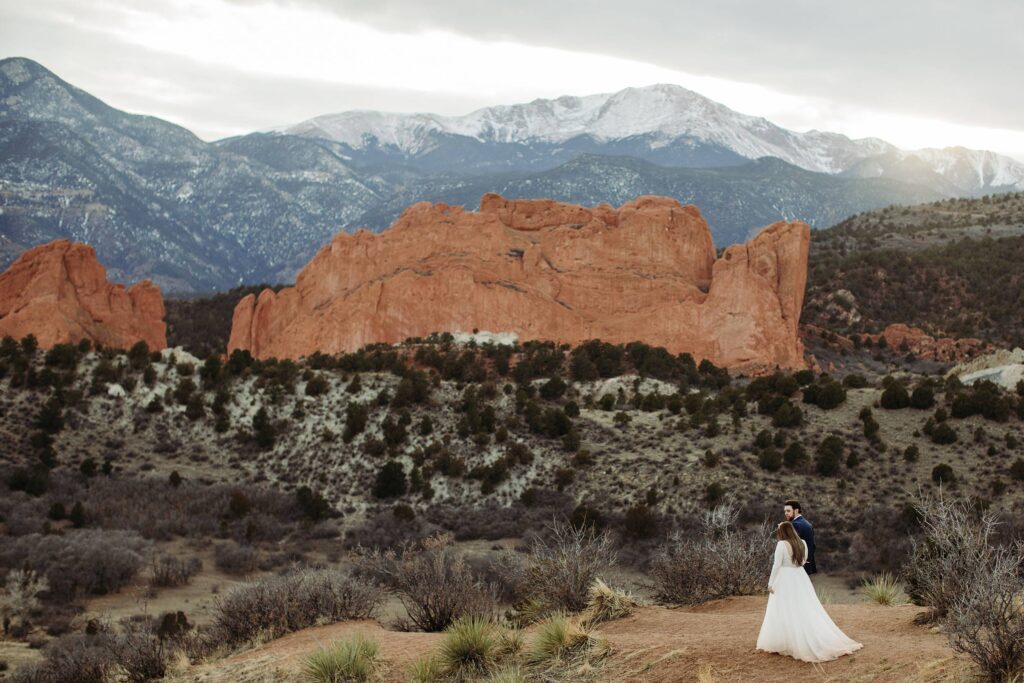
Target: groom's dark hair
{"x": 794, "y": 504}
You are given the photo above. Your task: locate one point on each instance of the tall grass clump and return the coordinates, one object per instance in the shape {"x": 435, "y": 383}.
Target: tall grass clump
{"x": 349, "y": 661}
{"x": 884, "y": 589}
{"x": 426, "y": 670}
{"x": 508, "y": 674}
{"x": 605, "y": 603}
{"x": 469, "y": 647}
{"x": 559, "y": 637}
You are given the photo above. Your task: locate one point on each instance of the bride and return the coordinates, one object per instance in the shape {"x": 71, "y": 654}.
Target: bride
{"x": 795, "y": 623}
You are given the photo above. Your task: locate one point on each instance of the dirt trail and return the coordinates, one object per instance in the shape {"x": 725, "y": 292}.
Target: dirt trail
{"x": 658, "y": 645}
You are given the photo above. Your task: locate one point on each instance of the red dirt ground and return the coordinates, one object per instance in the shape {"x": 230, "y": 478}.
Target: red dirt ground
{"x": 714, "y": 642}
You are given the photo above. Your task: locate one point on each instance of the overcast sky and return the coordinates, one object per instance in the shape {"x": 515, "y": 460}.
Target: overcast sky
{"x": 915, "y": 73}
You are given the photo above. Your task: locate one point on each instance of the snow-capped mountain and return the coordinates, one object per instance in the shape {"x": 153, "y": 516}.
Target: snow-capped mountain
{"x": 665, "y": 124}
{"x": 662, "y": 114}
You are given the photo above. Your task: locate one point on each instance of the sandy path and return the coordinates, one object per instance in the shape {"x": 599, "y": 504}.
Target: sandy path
{"x": 656, "y": 645}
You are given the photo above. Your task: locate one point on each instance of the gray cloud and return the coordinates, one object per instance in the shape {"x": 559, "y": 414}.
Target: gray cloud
{"x": 938, "y": 59}
{"x": 943, "y": 59}
{"x": 211, "y": 101}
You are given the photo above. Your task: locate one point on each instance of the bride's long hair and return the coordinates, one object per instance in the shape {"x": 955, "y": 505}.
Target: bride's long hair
{"x": 787, "y": 532}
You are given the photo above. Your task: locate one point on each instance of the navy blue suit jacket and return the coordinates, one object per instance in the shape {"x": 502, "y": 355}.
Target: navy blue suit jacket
{"x": 805, "y": 531}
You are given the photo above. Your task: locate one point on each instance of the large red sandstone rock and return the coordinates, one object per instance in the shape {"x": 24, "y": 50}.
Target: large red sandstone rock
{"x": 59, "y": 293}
{"x": 544, "y": 270}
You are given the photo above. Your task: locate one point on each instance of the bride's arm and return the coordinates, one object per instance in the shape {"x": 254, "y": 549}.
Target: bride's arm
{"x": 779, "y": 553}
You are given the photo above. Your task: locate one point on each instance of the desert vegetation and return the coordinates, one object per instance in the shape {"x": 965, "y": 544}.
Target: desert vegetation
{"x": 343, "y": 483}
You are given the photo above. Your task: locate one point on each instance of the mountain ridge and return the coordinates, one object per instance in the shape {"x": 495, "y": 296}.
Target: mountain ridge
{"x": 662, "y": 115}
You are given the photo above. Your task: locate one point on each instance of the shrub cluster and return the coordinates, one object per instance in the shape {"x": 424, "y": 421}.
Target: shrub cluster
{"x": 717, "y": 561}
{"x": 432, "y": 579}
{"x": 282, "y": 604}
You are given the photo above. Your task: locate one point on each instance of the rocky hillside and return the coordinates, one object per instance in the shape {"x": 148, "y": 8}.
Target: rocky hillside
{"x": 951, "y": 267}
{"x": 471, "y": 438}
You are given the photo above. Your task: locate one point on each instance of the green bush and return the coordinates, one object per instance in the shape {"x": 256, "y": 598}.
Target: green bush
{"x": 803, "y": 377}
{"x": 943, "y": 474}
{"x": 553, "y": 388}
{"x": 826, "y": 396}
{"x": 770, "y": 459}
{"x": 787, "y": 415}
{"x": 1017, "y": 470}
{"x": 829, "y": 456}
{"x": 262, "y": 429}
{"x": 984, "y": 399}
{"x": 883, "y": 590}
{"x": 194, "y": 409}
{"x": 50, "y": 419}
{"x": 313, "y": 505}
{"x": 714, "y": 494}
{"x": 317, "y": 386}
{"x": 794, "y": 456}
{"x": 870, "y": 428}
{"x": 356, "y": 415}
{"x": 390, "y": 481}
{"x": 923, "y": 397}
{"x": 943, "y": 434}
{"x": 855, "y": 381}
{"x": 895, "y": 397}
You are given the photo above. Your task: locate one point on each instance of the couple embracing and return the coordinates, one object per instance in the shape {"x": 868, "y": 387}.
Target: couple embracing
{"x": 795, "y": 623}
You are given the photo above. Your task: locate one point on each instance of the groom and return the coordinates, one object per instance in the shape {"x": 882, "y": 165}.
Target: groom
{"x": 803, "y": 529}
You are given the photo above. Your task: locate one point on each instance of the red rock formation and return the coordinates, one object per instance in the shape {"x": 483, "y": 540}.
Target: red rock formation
{"x": 544, "y": 270}
{"x": 902, "y": 338}
{"x": 59, "y": 292}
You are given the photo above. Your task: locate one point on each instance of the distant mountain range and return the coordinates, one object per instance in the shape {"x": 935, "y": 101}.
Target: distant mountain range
{"x": 664, "y": 124}
{"x": 156, "y": 201}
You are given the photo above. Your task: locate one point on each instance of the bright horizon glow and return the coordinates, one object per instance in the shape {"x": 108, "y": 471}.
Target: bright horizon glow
{"x": 315, "y": 45}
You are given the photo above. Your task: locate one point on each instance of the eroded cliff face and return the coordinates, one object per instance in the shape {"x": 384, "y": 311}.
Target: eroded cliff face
{"x": 544, "y": 270}
{"x": 59, "y": 293}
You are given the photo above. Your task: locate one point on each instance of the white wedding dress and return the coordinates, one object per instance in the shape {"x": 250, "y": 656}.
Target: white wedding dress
{"x": 795, "y": 623}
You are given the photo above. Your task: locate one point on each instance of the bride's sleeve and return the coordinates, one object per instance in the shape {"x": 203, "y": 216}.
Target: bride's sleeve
{"x": 807, "y": 557}
{"x": 779, "y": 553}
